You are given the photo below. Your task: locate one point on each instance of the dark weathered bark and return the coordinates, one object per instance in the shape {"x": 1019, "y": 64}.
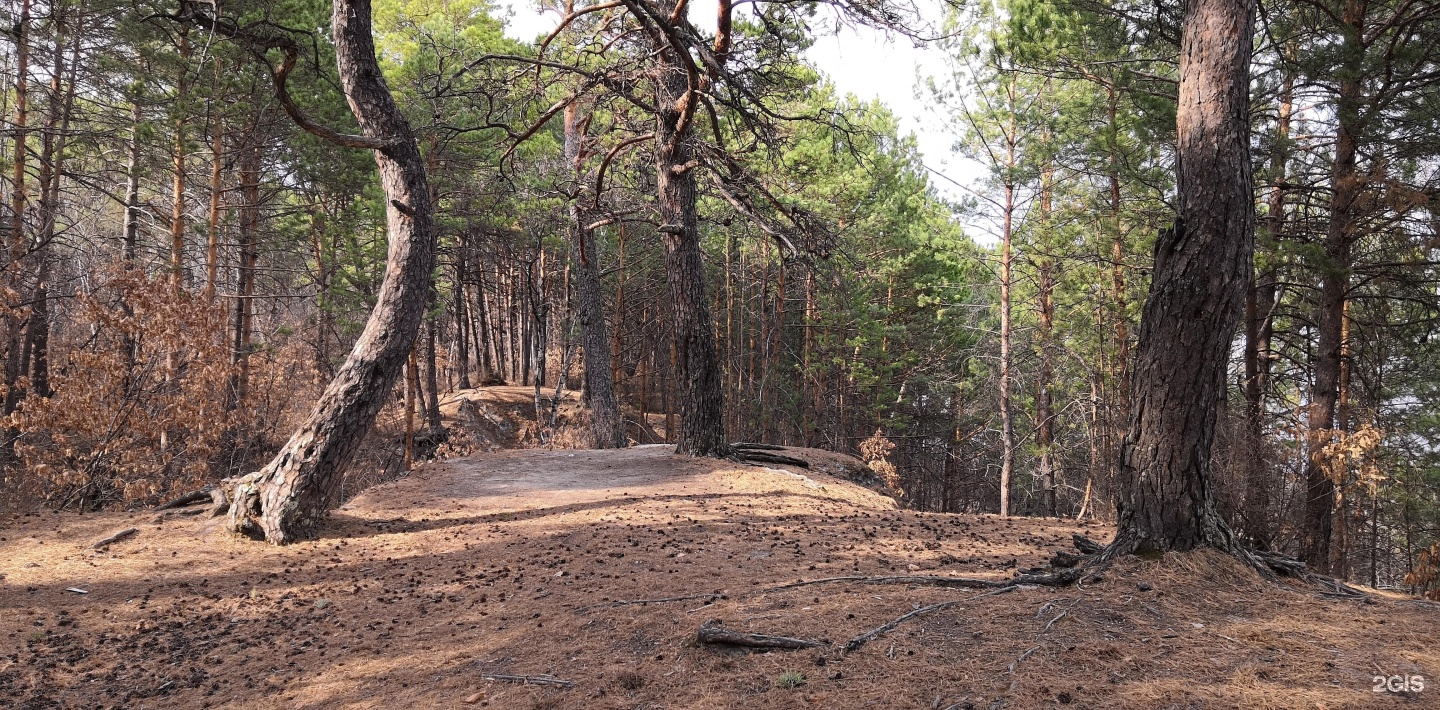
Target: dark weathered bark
{"x": 701, "y": 397}
{"x": 599, "y": 392}
{"x": 286, "y": 500}
{"x": 1202, "y": 270}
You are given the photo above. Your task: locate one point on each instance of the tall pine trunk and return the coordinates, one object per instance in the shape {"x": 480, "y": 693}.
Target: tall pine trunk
{"x": 1347, "y": 185}
{"x": 700, "y": 395}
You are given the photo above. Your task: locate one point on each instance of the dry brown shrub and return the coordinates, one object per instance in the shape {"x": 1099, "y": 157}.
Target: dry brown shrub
{"x": 875, "y": 452}
{"x": 144, "y": 407}
{"x": 1425, "y": 577}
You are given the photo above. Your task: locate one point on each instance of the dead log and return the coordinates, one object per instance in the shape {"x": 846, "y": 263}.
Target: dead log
{"x": 759, "y": 457}
{"x": 716, "y": 635}
{"x": 117, "y": 537}
{"x": 188, "y": 499}
{"x": 757, "y": 447}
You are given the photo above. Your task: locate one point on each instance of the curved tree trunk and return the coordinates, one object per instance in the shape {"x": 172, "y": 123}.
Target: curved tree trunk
{"x": 1202, "y": 271}
{"x": 286, "y": 499}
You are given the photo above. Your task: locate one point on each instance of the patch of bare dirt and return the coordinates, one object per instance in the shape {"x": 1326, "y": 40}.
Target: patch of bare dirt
{"x": 530, "y": 563}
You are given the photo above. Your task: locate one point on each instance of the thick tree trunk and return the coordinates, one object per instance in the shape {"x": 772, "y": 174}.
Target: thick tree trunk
{"x": 1202, "y": 270}
{"x": 700, "y": 394}
{"x": 287, "y": 499}
{"x": 17, "y": 245}
{"x": 599, "y": 393}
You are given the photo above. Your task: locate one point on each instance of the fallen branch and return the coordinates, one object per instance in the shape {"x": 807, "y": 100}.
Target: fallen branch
{"x": 117, "y": 537}
{"x": 637, "y": 602}
{"x": 919, "y": 581}
{"x": 188, "y": 499}
{"x": 760, "y": 447}
{"x": 530, "y": 679}
{"x": 1022, "y": 657}
{"x": 716, "y": 635}
{"x": 855, "y": 643}
{"x": 757, "y": 457}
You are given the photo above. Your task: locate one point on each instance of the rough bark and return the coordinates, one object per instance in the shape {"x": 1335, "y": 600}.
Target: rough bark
{"x": 701, "y": 397}
{"x": 1202, "y": 270}
{"x": 287, "y": 499}
{"x": 599, "y": 393}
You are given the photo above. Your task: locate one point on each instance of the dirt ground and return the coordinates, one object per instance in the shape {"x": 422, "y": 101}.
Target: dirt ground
{"x": 530, "y": 563}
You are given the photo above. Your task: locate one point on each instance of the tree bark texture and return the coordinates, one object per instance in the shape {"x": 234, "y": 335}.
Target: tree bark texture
{"x": 599, "y": 393}
{"x": 701, "y": 397}
{"x": 1202, "y": 271}
{"x": 286, "y": 500}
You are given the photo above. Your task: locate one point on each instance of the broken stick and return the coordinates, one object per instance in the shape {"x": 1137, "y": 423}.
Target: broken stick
{"x": 855, "y": 643}
{"x": 717, "y": 635}
{"x": 530, "y": 679}
{"x": 117, "y": 537}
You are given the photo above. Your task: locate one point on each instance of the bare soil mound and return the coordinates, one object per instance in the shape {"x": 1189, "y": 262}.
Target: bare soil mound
{"x": 539, "y": 564}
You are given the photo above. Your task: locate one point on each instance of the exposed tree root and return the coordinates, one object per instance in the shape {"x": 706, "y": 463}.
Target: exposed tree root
{"x": 1096, "y": 558}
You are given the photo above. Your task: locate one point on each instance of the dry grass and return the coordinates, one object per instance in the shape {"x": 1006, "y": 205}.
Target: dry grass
{"x": 512, "y": 564}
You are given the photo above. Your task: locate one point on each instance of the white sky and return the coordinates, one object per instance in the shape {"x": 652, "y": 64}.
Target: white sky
{"x": 860, "y": 61}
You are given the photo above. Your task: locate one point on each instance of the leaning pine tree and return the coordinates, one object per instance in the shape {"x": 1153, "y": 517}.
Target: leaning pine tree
{"x": 286, "y": 500}
{"x": 1202, "y": 271}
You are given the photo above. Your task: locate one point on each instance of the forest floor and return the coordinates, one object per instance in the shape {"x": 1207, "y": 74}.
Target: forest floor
{"x": 530, "y": 563}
